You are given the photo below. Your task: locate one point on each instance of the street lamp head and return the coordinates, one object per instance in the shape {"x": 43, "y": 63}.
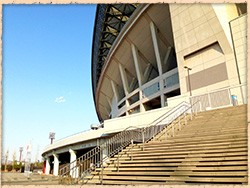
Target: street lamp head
{"x": 51, "y": 135}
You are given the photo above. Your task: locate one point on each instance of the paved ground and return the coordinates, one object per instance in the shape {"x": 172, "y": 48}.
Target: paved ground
{"x": 16, "y": 178}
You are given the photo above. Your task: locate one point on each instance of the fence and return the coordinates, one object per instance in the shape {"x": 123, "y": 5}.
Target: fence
{"x": 231, "y": 96}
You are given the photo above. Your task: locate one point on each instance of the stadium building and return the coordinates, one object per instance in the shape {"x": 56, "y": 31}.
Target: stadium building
{"x": 152, "y": 61}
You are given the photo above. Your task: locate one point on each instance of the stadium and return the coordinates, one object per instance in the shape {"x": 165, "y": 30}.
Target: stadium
{"x": 169, "y": 84}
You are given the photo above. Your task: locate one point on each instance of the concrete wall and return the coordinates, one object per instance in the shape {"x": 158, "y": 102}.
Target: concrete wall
{"x": 202, "y": 40}
{"x": 141, "y": 119}
{"x": 239, "y": 32}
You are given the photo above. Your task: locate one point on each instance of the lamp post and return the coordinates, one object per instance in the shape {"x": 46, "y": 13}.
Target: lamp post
{"x": 189, "y": 83}
{"x": 51, "y": 137}
{"x": 20, "y": 157}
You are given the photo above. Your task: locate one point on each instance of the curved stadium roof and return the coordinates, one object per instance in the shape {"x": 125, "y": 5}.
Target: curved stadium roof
{"x": 109, "y": 21}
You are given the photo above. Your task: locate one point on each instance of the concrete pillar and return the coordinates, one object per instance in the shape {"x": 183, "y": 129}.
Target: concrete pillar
{"x": 142, "y": 108}
{"x": 109, "y": 102}
{"x": 158, "y": 58}
{"x": 56, "y": 165}
{"x": 139, "y": 73}
{"x": 73, "y": 171}
{"x": 47, "y": 170}
{"x": 124, "y": 79}
{"x": 104, "y": 154}
{"x": 114, "y": 88}
{"x": 107, "y": 111}
{"x": 167, "y": 56}
{"x": 156, "y": 47}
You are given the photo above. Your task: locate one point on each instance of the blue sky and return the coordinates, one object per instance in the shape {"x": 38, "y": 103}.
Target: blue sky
{"x": 46, "y": 73}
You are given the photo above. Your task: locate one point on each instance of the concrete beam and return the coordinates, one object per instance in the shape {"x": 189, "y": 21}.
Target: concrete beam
{"x": 156, "y": 47}
{"x": 138, "y": 68}
{"x": 167, "y": 55}
{"x": 109, "y": 102}
{"x": 154, "y": 36}
{"x": 124, "y": 79}
{"x": 114, "y": 88}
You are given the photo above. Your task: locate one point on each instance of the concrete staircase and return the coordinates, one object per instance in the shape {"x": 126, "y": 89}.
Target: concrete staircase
{"x": 211, "y": 148}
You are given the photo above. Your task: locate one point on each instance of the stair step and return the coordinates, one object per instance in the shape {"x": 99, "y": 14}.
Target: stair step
{"x": 181, "y": 156}
{"x": 176, "y": 173}
{"x": 191, "y": 152}
{"x": 178, "y": 178}
{"x": 215, "y": 137}
{"x": 215, "y": 129}
{"x": 188, "y": 163}
{"x": 115, "y": 182}
{"x": 205, "y": 148}
{"x": 149, "y": 147}
{"x": 204, "y": 131}
{"x": 181, "y": 143}
{"x": 238, "y": 158}
{"x": 168, "y": 168}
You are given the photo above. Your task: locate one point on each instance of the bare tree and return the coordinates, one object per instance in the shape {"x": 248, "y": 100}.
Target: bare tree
{"x": 14, "y": 160}
{"x": 6, "y": 159}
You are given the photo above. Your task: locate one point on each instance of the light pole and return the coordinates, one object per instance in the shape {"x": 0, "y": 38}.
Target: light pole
{"x": 52, "y": 137}
{"x": 20, "y": 157}
{"x": 189, "y": 83}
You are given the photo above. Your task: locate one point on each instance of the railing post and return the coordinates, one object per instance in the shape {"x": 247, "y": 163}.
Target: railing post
{"x": 230, "y": 96}
{"x": 118, "y": 163}
{"x": 185, "y": 118}
{"x": 143, "y": 140}
{"x": 132, "y": 149}
{"x": 102, "y": 173}
{"x": 191, "y": 114}
{"x": 179, "y": 122}
{"x": 209, "y": 100}
{"x": 172, "y": 130}
{"x": 166, "y": 133}
{"x": 242, "y": 95}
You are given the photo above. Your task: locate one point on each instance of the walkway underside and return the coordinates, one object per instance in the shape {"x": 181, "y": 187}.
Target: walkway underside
{"x": 211, "y": 148}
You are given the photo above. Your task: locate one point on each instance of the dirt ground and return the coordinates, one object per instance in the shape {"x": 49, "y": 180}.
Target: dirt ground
{"x": 17, "y": 178}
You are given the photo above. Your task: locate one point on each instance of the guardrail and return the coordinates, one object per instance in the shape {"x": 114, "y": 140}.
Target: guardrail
{"x": 97, "y": 157}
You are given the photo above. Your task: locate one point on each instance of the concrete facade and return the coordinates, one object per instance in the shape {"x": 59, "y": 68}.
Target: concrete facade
{"x": 156, "y": 37}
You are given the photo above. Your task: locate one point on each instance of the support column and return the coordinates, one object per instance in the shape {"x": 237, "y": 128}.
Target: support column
{"x": 47, "y": 168}
{"x": 124, "y": 79}
{"x": 139, "y": 74}
{"x": 73, "y": 171}
{"x": 156, "y": 47}
{"x": 56, "y": 165}
{"x": 137, "y": 65}
{"x": 167, "y": 56}
{"x": 142, "y": 108}
{"x": 158, "y": 58}
{"x": 109, "y": 102}
{"x": 107, "y": 111}
{"x": 114, "y": 88}
{"x": 104, "y": 155}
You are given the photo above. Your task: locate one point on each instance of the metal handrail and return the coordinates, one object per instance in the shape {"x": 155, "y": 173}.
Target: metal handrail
{"x": 93, "y": 159}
